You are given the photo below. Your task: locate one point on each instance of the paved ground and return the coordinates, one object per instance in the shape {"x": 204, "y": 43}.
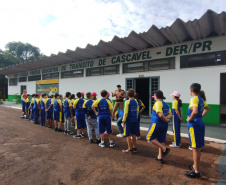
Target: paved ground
{"x": 31, "y": 154}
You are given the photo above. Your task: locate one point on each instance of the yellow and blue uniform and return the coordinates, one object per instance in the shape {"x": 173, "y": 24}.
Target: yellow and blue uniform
{"x": 72, "y": 108}
{"x": 140, "y": 103}
{"x": 36, "y": 110}
{"x": 130, "y": 116}
{"x": 49, "y": 102}
{"x": 43, "y": 113}
{"x": 196, "y": 128}
{"x": 27, "y": 106}
{"x": 158, "y": 128}
{"x": 104, "y": 119}
{"x": 57, "y": 110}
{"x": 87, "y": 107}
{"x": 79, "y": 113}
{"x": 23, "y": 102}
{"x": 176, "y": 123}
{"x": 31, "y": 109}
{"x": 67, "y": 107}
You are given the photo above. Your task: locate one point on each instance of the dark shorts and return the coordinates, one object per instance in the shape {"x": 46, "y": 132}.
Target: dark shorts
{"x": 104, "y": 122}
{"x": 157, "y": 131}
{"x": 131, "y": 128}
{"x": 81, "y": 121}
{"x": 49, "y": 115}
{"x": 120, "y": 100}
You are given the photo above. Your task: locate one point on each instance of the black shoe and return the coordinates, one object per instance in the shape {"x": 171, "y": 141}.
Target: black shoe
{"x": 59, "y": 130}
{"x": 190, "y": 167}
{"x": 159, "y": 160}
{"x": 93, "y": 130}
{"x": 98, "y": 141}
{"x": 91, "y": 141}
{"x": 164, "y": 154}
{"x": 56, "y": 129}
{"x": 134, "y": 150}
{"x": 192, "y": 174}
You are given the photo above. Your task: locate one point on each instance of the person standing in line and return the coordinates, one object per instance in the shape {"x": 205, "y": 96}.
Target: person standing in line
{"x": 177, "y": 119}
{"x": 67, "y": 114}
{"x": 130, "y": 121}
{"x": 198, "y": 108}
{"x": 91, "y": 119}
{"x": 57, "y": 113}
{"x": 28, "y": 102}
{"x": 105, "y": 115}
{"x": 36, "y": 108}
{"x": 80, "y": 116}
{"x": 43, "y": 113}
{"x": 159, "y": 125}
{"x": 49, "y": 110}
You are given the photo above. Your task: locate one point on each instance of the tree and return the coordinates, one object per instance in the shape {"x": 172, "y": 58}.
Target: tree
{"x": 24, "y": 51}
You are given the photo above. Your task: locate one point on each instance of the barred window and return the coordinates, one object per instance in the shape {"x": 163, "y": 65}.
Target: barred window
{"x": 106, "y": 70}
{"x": 13, "y": 82}
{"x": 23, "y": 79}
{"x": 34, "y": 78}
{"x": 72, "y": 74}
{"x": 50, "y": 76}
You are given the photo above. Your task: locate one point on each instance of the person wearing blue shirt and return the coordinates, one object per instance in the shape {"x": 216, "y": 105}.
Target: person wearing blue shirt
{"x": 43, "y": 113}
{"x": 91, "y": 120}
{"x": 27, "y": 107}
{"x": 130, "y": 121}
{"x": 159, "y": 125}
{"x": 105, "y": 115}
{"x": 80, "y": 116}
{"x": 67, "y": 114}
{"x": 36, "y": 108}
{"x": 49, "y": 110}
{"x": 198, "y": 108}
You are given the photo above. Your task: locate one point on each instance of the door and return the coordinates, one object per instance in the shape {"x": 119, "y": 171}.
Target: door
{"x": 223, "y": 98}
{"x": 22, "y": 88}
{"x": 154, "y": 86}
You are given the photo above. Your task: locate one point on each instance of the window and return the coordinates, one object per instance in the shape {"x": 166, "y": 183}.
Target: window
{"x": 23, "y": 79}
{"x": 34, "y": 78}
{"x": 97, "y": 71}
{"x": 202, "y": 60}
{"x": 162, "y": 64}
{"x": 133, "y": 67}
{"x": 12, "y": 81}
{"x": 50, "y": 76}
{"x": 72, "y": 74}
{"x": 151, "y": 65}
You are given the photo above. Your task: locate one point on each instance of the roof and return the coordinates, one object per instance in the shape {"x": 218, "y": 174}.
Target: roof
{"x": 209, "y": 25}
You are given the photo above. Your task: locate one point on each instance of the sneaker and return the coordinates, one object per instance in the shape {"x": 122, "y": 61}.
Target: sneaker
{"x": 159, "y": 160}
{"x": 98, "y": 141}
{"x": 112, "y": 144}
{"x": 91, "y": 141}
{"x": 93, "y": 130}
{"x": 190, "y": 148}
{"x": 105, "y": 132}
{"x": 120, "y": 135}
{"x": 56, "y": 129}
{"x": 138, "y": 137}
{"x": 164, "y": 154}
{"x": 192, "y": 174}
{"x": 65, "y": 132}
{"x": 173, "y": 145}
{"x": 102, "y": 145}
{"x": 22, "y": 117}
{"x": 127, "y": 151}
{"x": 82, "y": 135}
{"x": 70, "y": 133}
{"x": 134, "y": 150}
{"x": 76, "y": 136}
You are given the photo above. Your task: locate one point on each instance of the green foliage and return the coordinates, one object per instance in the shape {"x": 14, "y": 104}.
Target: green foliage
{"x": 24, "y": 51}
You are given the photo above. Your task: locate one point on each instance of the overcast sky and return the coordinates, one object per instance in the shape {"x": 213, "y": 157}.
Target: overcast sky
{"x": 57, "y": 25}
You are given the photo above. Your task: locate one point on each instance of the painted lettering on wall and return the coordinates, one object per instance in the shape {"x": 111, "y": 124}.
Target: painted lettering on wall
{"x": 35, "y": 72}
{"x": 189, "y": 48}
{"x": 50, "y": 70}
{"x": 81, "y": 65}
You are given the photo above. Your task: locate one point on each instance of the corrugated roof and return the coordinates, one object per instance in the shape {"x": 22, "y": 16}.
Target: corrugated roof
{"x": 209, "y": 25}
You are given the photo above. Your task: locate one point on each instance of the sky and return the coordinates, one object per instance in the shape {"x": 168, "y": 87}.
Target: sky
{"x": 57, "y": 25}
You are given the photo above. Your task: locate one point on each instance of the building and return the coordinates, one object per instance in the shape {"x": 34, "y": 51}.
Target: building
{"x": 169, "y": 59}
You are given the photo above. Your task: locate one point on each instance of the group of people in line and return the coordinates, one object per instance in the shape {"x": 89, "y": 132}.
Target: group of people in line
{"x": 97, "y": 114}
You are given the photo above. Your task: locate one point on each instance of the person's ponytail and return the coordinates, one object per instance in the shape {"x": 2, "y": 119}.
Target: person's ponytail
{"x": 179, "y": 101}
